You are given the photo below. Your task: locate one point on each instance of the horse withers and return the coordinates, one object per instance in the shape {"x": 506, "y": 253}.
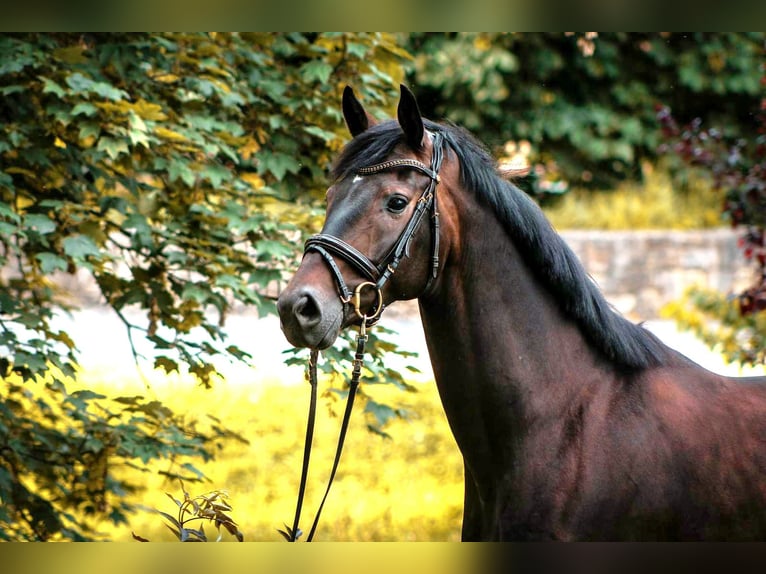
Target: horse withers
{"x": 573, "y": 423}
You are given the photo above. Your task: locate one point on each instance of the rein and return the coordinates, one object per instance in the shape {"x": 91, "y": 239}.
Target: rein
{"x": 377, "y": 276}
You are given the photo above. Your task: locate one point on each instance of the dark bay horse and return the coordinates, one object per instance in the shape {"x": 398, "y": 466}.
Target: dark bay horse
{"x": 574, "y": 423}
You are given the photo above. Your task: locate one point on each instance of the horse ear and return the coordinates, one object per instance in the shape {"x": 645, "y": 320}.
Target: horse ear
{"x": 357, "y": 119}
{"x": 409, "y": 118}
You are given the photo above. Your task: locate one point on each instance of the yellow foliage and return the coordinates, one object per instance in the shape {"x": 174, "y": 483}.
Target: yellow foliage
{"x": 70, "y": 54}
{"x": 716, "y": 319}
{"x": 20, "y": 170}
{"x": 482, "y": 42}
{"x": 653, "y": 204}
{"x": 169, "y": 135}
{"x": 93, "y": 229}
{"x": 213, "y": 80}
{"x": 165, "y": 78}
{"x": 54, "y": 176}
{"x": 253, "y": 179}
{"x": 142, "y": 108}
{"x": 249, "y": 148}
{"x": 288, "y": 212}
{"x": 406, "y": 489}
{"x": 87, "y": 142}
{"x": 330, "y": 43}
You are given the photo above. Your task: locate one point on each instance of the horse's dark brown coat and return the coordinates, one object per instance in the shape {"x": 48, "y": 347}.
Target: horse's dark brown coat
{"x": 573, "y": 423}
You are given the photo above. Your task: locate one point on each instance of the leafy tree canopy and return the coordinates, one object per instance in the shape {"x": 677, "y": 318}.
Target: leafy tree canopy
{"x": 586, "y": 102}
{"x": 179, "y": 170}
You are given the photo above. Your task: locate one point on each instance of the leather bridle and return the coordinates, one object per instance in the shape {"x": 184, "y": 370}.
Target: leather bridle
{"x": 377, "y": 275}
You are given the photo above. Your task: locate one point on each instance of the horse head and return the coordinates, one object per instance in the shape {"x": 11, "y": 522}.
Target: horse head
{"x": 385, "y": 183}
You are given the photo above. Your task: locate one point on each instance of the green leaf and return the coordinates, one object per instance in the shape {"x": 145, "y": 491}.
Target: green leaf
{"x": 137, "y": 132}
{"x": 34, "y": 362}
{"x": 7, "y": 229}
{"x": 89, "y": 130}
{"x": 7, "y": 90}
{"x": 277, "y": 163}
{"x": 5, "y": 179}
{"x": 138, "y": 137}
{"x": 40, "y": 223}
{"x": 87, "y": 395}
{"x": 112, "y": 146}
{"x": 7, "y": 211}
{"x": 231, "y": 99}
{"x": 136, "y": 122}
{"x": 80, "y": 246}
{"x": 179, "y": 169}
{"x": 50, "y": 262}
{"x": 215, "y": 174}
{"x": 13, "y": 61}
{"x": 382, "y": 413}
{"x": 199, "y": 292}
{"x": 193, "y": 469}
{"x": 85, "y": 109}
{"x": 268, "y": 248}
{"x": 325, "y": 135}
{"x": 127, "y": 400}
{"x": 236, "y": 284}
{"x": 357, "y": 49}
{"x": 82, "y": 84}
{"x": 238, "y": 353}
{"x": 51, "y": 87}
{"x": 316, "y": 71}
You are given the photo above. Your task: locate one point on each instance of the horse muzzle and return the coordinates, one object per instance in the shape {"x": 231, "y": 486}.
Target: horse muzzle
{"x": 308, "y": 317}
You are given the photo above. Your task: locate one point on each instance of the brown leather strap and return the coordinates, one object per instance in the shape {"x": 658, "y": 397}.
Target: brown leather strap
{"x": 353, "y": 385}
{"x": 361, "y": 340}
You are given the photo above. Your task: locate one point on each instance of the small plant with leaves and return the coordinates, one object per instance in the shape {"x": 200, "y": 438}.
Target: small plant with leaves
{"x": 192, "y": 511}
{"x": 718, "y": 320}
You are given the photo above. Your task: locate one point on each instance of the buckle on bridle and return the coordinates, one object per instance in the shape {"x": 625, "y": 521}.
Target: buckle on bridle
{"x": 356, "y": 302}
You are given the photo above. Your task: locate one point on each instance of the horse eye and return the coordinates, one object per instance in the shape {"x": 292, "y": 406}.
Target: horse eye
{"x": 396, "y": 203}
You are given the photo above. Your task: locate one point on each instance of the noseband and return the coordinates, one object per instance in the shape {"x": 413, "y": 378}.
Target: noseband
{"x": 377, "y": 275}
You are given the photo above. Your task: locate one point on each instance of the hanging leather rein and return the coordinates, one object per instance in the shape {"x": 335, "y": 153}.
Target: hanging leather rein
{"x": 377, "y": 275}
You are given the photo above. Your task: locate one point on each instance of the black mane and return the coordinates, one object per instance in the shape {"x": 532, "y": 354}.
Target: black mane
{"x": 625, "y": 344}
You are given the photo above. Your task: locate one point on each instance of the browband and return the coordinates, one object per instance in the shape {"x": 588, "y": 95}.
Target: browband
{"x": 392, "y": 163}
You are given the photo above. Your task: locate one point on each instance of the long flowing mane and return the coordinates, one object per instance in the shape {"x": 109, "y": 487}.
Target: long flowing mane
{"x": 627, "y": 346}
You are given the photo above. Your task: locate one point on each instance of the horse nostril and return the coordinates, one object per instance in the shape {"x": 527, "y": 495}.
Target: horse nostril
{"x": 307, "y": 310}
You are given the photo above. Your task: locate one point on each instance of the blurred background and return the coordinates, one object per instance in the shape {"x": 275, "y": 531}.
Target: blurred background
{"x": 155, "y": 191}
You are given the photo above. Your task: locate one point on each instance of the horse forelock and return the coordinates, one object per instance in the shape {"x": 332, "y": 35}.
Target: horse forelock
{"x": 550, "y": 259}
{"x": 370, "y": 147}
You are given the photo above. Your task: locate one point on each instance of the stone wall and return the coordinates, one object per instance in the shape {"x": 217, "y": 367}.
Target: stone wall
{"x": 640, "y": 271}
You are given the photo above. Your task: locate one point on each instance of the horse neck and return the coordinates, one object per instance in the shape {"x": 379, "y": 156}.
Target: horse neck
{"x": 503, "y": 354}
